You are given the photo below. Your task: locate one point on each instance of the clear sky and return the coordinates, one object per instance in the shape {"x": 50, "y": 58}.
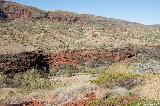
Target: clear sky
{"x": 142, "y": 11}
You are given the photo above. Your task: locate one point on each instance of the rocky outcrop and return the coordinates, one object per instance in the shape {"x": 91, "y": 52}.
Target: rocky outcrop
{"x": 73, "y": 59}
{"x": 11, "y": 64}
{"x": 93, "y": 58}
{"x": 88, "y": 97}
{"x": 9, "y": 10}
{"x": 60, "y": 16}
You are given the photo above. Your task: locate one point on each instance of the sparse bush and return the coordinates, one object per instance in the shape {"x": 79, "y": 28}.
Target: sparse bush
{"x": 32, "y": 80}
{"x": 117, "y": 77}
{"x": 124, "y": 101}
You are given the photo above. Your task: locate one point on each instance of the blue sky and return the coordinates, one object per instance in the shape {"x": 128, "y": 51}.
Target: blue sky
{"x": 142, "y": 11}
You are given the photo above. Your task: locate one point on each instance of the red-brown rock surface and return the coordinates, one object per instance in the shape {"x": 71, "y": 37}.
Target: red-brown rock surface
{"x": 75, "y": 58}
{"x": 12, "y": 11}
{"x": 66, "y": 59}
{"x": 88, "y": 97}
{"x": 11, "y": 64}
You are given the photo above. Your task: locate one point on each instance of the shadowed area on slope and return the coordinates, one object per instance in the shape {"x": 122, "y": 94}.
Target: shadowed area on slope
{"x": 11, "y": 64}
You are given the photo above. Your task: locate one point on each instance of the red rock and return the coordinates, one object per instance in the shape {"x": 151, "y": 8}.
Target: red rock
{"x": 33, "y": 103}
{"x": 91, "y": 96}
{"x": 82, "y": 102}
{"x": 72, "y": 59}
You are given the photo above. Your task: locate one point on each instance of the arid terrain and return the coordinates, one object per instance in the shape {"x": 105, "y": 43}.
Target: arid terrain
{"x": 60, "y": 58}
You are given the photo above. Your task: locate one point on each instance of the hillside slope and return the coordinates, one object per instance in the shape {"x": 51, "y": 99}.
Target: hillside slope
{"x": 24, "y": 28}
{"x": 60, "y": 58}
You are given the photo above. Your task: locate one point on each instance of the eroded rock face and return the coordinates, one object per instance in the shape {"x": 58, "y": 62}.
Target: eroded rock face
{"x": 93, "y": 58}
{"x": 60, "y": 16}
{"x": 10, "y": 10}
{"x": 11, "y": 64}
{"x": 73, "y": 59}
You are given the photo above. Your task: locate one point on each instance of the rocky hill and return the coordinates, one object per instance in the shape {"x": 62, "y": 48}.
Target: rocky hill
{"x": 25, "y": 28}
{"x": 60, "y": 58}
{"x": 64, "y": 34}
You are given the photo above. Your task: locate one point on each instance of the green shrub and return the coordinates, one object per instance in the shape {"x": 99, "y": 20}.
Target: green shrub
{"x": 117, "y": 77}
{"x": 32, "y": 80}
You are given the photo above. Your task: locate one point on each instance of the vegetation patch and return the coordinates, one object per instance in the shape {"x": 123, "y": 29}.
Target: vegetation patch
{"x": 124, "y": 101}
{"x": 120, "y": 77}
{"x": 30, "y": 81}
